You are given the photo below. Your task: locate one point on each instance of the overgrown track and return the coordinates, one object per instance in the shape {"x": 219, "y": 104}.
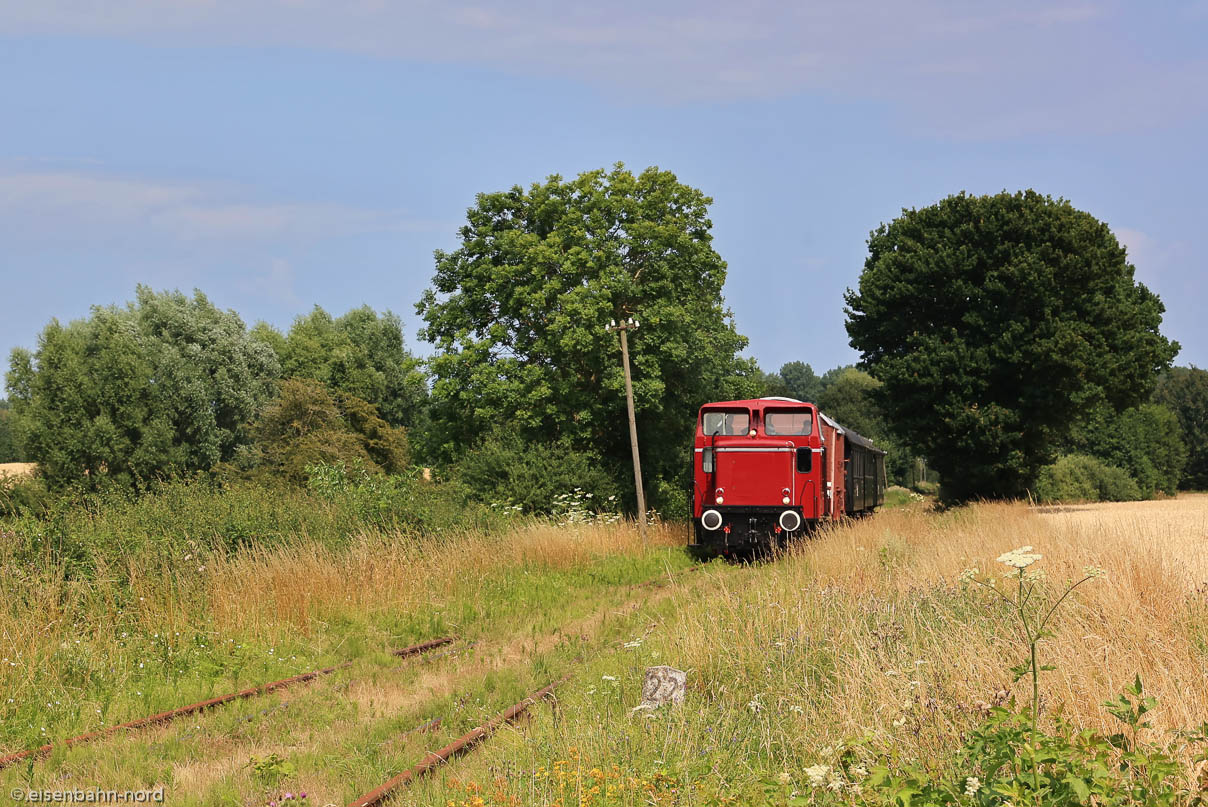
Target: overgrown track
{"x": 467, "y": 741}
{"x": 460, "y": 745}
{"x": 193, "y": 708}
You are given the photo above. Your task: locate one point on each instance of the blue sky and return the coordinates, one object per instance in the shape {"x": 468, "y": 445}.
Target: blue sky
{"x": 282, "y": 153}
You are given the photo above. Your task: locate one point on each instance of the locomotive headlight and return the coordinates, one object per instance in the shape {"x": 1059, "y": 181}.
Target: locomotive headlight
{"x": 719, "y": 496}
{"x": 785, "y": 500}
{"x": 710, "y": 520}
{"x": 790, "y": 520}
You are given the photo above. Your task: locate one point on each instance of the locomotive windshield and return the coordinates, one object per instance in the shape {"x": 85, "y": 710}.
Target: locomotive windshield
{"x": 726, "y": 422}
{"x": 798, "y": 421}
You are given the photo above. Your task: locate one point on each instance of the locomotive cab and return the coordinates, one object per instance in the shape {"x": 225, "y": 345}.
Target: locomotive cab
{"x": 770, "y": 468}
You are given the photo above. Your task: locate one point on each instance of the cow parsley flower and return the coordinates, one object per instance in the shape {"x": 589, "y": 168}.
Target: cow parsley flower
{"x": 1020, "y": 558}
{"x": 817, "y": 774}
{"x": 972, "y": 785}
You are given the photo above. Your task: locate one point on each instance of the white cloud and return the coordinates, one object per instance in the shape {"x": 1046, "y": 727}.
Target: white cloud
{"x": 964, "y": 68}
{"x": 86, "y": 208}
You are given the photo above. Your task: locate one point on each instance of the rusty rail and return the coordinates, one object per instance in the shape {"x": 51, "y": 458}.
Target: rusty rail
{"x": 463, "y": 743}
{"x": 172, "y": 714}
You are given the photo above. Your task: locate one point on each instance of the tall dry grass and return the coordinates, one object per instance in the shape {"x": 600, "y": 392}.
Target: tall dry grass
{"x": 868, "y": 624}
{"x": 77, "y": 654}
{"x": 866, "y": 632}
{"x": 262, "y": 593}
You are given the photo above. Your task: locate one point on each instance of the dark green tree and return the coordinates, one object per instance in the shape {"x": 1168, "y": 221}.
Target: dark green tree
{"x": 1145, "y": 441}
{"x": 163, "y": 385}
{"x": 801, "y": 381}
{"x": 851, "y": 399}
{"x": 993, "y": 323}
{"x": 361, "y": 353}
{"x": 1184, "y": 391}
{"x": 772, "y": 384}
{"x": 518, "y": 315}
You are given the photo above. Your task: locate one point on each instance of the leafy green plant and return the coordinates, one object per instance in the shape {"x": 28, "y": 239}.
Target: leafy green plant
{"x": 272, "y": 769}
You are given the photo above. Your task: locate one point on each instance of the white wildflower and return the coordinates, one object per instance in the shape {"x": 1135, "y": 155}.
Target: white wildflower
{"x": 858, "y": 771}
{"x": 785, "y": 778}
{"x": 1020, "y": 558}
{"x": 1093, "y": 571}
{"x": 608, "y": 678}
{"x": 817, "y": 774}
{"x": 972, "y": 785}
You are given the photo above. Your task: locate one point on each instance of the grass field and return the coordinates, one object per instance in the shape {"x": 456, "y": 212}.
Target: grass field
{"x": 18, "y": 469}
{"x": 864, "y": 632}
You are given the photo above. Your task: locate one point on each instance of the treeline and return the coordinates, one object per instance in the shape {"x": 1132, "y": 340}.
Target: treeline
{"x": 170, "y": 385}
{"x": 1002, "y": 338}
{"x": 1153, "y": 449}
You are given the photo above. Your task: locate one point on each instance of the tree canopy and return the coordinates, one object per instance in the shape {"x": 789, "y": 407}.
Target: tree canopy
{"x": 360, "y": 353}
{"x": 993, "y": 322}
{"x": 1184, "y": 391}
{"x": 163, "y": 385}
{"x": 800, "y": 381}
{"x": 518, "y": 316}
{"x": 851, "y": 399}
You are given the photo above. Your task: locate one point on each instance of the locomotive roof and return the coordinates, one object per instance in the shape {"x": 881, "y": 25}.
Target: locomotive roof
{"x": 756, "y": 402}
{"x": 848, "y": 434}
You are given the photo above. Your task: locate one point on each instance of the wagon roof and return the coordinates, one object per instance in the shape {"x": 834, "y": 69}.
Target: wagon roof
{"x": 849, "y": 435}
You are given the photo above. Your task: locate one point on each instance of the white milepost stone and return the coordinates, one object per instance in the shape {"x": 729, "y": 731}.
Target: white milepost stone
{"x": 662, "y": 684}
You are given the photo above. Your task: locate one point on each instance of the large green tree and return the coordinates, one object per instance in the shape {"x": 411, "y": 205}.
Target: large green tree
{"x": 1184, "y": 391}
{"x": 165, "y": 384}
{"x": 993, "y": 322}
{"x": 361, "y": 353}
{"x": 518, "y": 315}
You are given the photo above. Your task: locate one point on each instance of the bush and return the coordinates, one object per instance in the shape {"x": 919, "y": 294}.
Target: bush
{"x": 23, "y": 495}
{"x": 405, "y": 502}
{"x": 305, "y": 425}
{"x": 116, "y": 528}
{"x": 1079, "y": 478}
{"x": 506, "y": 468}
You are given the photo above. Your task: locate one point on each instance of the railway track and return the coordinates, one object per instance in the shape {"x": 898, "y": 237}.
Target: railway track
{"x": 379, "y": 795}
{"x": 201, "y": 706}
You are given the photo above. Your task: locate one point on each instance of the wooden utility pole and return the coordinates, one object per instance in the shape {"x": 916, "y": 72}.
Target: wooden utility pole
{"x": 624, "y": 327}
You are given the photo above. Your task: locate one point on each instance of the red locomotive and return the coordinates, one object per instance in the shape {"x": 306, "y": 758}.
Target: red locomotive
{"x": 770, "y": 468}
